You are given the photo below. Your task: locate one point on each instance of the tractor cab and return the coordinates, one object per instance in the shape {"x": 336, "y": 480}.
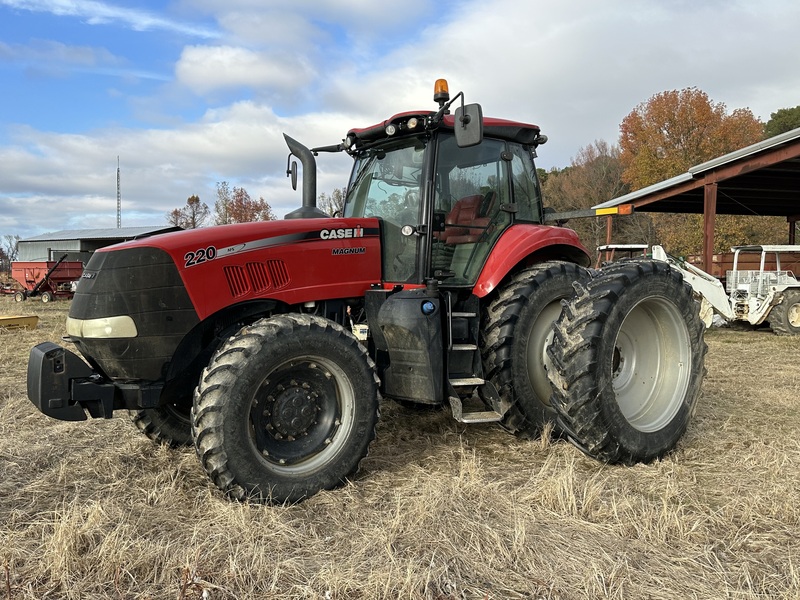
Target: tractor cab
{"x": 443, "y": 206}
{"x": 445, "y": 187}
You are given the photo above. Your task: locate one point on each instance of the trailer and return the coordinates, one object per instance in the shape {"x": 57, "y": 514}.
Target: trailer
{"x": 46, "y": 279}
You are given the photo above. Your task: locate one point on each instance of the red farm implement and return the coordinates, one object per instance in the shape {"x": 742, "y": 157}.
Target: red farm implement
{"x": 48, "y": 280}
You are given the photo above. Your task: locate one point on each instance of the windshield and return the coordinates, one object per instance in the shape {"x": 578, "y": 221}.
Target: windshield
{"x": 386, "y": 182}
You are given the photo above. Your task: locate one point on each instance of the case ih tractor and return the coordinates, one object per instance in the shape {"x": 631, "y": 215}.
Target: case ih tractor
{"x": 268, "y": 345}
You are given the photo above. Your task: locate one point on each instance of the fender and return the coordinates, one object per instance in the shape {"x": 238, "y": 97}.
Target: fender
{"x": 519, "y": 242}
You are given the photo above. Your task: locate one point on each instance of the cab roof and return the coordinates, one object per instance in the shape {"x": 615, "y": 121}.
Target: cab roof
{"x": 513, "y": 131}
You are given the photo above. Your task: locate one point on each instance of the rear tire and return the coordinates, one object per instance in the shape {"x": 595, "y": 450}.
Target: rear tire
{"x": 20, "y": 297}
{"x": 628, "y": 357}
{"x": 48, "y": 297}
{"x": 785, "y": 317}
{"x": 287, "y": 407}
{"x": 517, "y": 327}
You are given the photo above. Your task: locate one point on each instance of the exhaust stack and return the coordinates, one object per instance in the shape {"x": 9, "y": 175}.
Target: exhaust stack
{"x": 309, "y": 209}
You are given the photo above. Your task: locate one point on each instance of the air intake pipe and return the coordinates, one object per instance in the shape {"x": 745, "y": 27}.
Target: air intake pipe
{"x": 309, "y": 209}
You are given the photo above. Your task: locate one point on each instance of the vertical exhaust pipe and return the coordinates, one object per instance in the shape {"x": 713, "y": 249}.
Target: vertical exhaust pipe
{"x": 309, "y": 209}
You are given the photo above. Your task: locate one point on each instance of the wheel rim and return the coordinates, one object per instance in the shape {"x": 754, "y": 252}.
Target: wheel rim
{"x": 45, "y": 297}
{"x": 541, "y": 335}
{"x": 651, "y": 364}
{"x": 793, "y": 314}
{"x": 301, "y": 415}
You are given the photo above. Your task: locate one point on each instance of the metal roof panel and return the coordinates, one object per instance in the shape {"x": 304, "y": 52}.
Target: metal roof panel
{"x": 116, "y": 233}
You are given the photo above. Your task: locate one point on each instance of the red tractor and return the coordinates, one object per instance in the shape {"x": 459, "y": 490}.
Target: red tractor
{"x": 269, "y": 345}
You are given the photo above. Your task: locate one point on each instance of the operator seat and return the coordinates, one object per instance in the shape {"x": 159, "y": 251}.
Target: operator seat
{"x": 468, "y": 220}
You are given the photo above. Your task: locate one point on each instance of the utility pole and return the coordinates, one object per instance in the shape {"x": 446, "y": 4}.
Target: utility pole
{"x": 119, "y": 199}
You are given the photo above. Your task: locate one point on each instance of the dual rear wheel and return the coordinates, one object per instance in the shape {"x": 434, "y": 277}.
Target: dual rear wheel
{"x": 615, "y": 360}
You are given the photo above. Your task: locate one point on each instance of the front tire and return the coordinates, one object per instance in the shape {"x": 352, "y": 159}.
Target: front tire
{"x": 785, "y": 317}
{"x": 171, "y": 424}
{"x": 628, "y": 357}
{"x": 287, "y": 407}
{"x": 517, "y": 328}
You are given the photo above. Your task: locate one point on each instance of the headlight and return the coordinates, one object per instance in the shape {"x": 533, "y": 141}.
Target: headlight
{"x": 104, "y": 327}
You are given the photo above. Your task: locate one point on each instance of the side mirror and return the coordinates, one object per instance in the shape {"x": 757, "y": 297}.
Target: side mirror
{"x": 469, "y": 125}
{"x": 292, "y": 172}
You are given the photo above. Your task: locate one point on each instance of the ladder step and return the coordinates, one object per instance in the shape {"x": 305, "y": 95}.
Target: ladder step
{"x": 487, "y": 416}
{"x": 464, "y": 314}
{"x": 465, "y": 347}
{"x": 484, "y": 416}
{"x": 467, "y": 381}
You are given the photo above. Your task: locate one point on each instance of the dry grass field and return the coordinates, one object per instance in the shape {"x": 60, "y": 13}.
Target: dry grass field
{"x": 439, "y": 511}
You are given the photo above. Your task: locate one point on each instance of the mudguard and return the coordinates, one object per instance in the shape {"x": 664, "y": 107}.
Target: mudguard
{"x": 519, "y": 243}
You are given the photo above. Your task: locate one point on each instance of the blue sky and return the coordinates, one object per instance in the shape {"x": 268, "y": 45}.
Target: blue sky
{"x": 193, "y": 92}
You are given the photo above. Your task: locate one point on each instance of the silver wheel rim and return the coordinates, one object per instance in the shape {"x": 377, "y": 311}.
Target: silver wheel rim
{"x": 793, "y": 315}
{"x": 651, "y": 364}
{"x": 345, "y": 398}
{"x": 538, "y": 363}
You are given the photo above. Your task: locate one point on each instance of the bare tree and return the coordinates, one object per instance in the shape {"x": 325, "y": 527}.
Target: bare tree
{"x": 190, "y": 216}
{"x": 11, "y": 246}
{"x": 333, "y": 204}
{"x": 222, "y": 205}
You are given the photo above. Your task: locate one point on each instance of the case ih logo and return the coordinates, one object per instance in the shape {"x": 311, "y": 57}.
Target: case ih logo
{"x": 338, "y": 234}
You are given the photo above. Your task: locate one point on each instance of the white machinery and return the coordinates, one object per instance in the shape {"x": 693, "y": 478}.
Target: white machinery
{"x": 749, "y": 295}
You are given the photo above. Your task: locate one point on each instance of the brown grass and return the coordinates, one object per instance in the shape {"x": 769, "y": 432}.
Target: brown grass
{"x": 439, "y": 511}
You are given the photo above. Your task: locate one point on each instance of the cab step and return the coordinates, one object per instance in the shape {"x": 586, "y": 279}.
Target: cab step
{"x": 465, "y": 347}
{"x": 467, "y": 381}
{"x": 483, "y": 416}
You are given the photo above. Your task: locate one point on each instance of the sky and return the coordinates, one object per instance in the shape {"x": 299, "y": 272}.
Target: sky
{"x": 189, "y": 93}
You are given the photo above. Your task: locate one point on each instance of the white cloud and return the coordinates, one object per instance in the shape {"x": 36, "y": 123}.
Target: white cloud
{"x": 207, "y": 68}
{"x": 72, "y": 178}
{"x": 96, "y": 13}
{"x": 49, "y": 51}
{"x": 576, "y": 69}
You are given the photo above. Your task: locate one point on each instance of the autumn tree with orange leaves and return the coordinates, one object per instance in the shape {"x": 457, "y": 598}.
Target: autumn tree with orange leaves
{"x": 595, "y": 176}
{"x": 676, "y": 130}
{"x": 236, "y": 206}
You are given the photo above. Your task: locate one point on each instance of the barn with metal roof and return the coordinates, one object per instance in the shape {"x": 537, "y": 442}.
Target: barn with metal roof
{"x": 79, "y": 244}
{"x": 762, "y": 179}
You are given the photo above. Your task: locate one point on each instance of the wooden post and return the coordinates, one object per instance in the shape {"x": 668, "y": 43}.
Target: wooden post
{"x": 709, "y": 219}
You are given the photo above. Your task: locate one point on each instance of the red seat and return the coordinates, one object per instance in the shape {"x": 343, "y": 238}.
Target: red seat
{"x": 465, "y": 222}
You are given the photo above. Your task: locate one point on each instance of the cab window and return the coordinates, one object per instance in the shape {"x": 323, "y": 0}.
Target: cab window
{"x": 471, "y": 186}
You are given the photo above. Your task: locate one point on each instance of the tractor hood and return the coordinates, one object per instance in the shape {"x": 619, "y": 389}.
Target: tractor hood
{"x": 291, "y": 261}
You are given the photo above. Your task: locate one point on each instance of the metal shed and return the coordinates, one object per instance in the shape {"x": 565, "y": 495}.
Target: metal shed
{"x": 761, "y": 179}
{"x": 79, "y": 244}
